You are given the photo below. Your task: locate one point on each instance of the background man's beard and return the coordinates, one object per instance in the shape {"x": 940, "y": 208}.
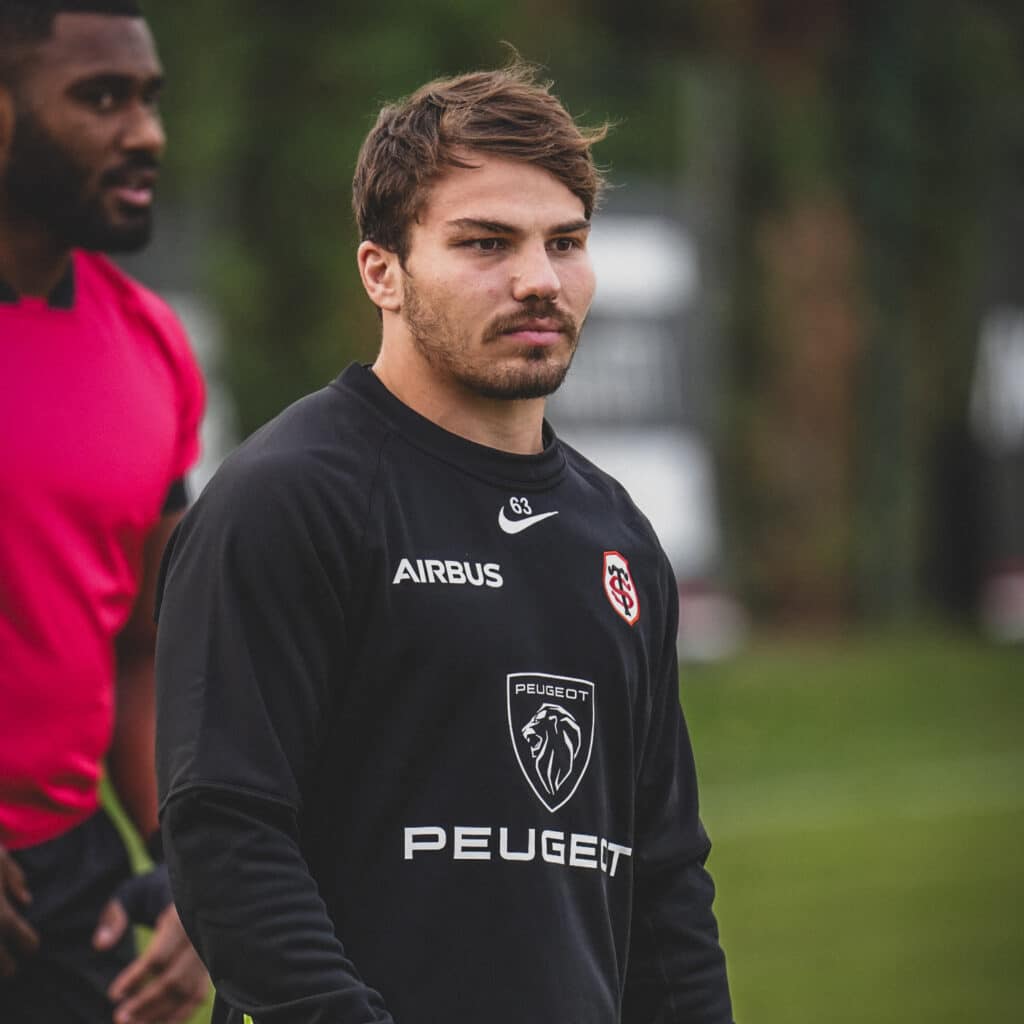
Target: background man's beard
{"x": 538, "y": 375}
{"x": 46, "y": 186}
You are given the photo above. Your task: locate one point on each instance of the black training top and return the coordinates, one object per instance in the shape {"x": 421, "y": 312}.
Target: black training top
{"x": 420, "y": 750}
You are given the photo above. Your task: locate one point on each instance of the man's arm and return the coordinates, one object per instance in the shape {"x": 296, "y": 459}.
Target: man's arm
{"x": 248, "y": 899}
{"x": 251, "y": 655}
{"x": 168, "y": 980}
{"x": 676, "y": 970}
{"x": 17, "y": 936}
{"x": 130, "y": 761}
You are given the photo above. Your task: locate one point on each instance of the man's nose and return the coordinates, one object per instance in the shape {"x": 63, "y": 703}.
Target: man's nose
{"x": 144, "y": 130}
{"x": 534, "y": 275}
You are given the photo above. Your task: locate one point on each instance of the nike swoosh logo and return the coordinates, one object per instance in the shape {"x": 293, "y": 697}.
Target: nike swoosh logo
{"x": 518, "y": 525}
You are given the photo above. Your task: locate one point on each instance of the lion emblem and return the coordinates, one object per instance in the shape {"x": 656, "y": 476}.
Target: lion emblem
{"x": 555, "y": 740}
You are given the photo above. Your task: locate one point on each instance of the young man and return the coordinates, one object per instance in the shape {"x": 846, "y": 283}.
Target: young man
{"x": 419, "y": 742}
{"x": 98, "y": 426}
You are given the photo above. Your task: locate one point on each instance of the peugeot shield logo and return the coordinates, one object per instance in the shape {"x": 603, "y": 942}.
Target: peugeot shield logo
{"x": 551, "y": 721}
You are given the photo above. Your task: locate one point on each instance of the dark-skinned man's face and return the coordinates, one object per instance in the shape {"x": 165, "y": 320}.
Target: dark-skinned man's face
{"x": 82, "y": 160}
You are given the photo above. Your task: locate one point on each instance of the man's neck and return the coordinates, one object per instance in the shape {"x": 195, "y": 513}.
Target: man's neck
{"x": 514, "y": 426}
{"x": 32, "y": 262}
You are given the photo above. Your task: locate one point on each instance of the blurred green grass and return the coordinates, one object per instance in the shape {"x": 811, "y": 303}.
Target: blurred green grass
{"x": 865, "y": 796}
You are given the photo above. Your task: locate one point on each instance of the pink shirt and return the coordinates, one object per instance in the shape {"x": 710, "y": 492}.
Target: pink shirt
{"x": 100, "y": 414}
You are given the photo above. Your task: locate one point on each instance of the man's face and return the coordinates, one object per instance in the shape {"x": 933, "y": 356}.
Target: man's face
{"x": 498, "y": 279}
{"x": 82, "y": 161}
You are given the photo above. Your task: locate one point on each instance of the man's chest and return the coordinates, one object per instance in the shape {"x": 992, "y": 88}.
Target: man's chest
{"x": 486, "y": 624}
{"x": 89, "y": 421}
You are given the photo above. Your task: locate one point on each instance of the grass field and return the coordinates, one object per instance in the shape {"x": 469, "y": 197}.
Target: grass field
{"x": 866, "y": 801}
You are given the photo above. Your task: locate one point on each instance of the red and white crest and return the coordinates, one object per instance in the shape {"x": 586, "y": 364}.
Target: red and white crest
{"x": 619, "y": 587}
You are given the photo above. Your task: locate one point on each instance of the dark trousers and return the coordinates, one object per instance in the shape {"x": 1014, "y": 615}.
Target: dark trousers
{"x": 71, "y": 878}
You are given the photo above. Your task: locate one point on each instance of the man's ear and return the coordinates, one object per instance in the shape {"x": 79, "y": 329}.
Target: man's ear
{"x": 381, "y": 274}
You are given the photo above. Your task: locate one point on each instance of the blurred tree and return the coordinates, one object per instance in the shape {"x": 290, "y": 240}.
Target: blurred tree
{"x": 804, "y": 323}
{"x": 931, "y": 98}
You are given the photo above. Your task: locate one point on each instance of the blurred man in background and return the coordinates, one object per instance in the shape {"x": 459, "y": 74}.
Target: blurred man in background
{"x": 420, "y": 748}
{"x": 98, "y": 426}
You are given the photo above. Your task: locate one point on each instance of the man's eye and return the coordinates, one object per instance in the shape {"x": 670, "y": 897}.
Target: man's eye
{"x": 103, "y": 96}
{"x": 103, "y": 100}
{"x": 488, "y": 244}
{"x": 565, "y": 244}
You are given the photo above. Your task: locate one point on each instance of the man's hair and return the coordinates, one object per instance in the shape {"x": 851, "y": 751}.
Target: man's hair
{"x": 505, "y": 112}
{"x": 24, "y": 23}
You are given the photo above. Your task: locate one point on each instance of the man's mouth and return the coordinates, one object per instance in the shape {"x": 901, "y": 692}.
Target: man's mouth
{"x": 537, "y": 331}
{"x": 133, "y": 187}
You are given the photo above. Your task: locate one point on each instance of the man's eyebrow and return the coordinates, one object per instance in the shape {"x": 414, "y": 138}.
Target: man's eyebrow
{"x": 122, "y": 81}
{"x": 478, "y": 224}
{"x": 571, "y": 226}
{"x": 498, "y": 228}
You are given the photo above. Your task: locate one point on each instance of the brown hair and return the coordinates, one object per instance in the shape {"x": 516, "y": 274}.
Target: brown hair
{"x": 505, "y": 112}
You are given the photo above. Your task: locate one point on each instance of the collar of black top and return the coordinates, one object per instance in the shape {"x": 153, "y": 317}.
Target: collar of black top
{"x": 61, "y": 297}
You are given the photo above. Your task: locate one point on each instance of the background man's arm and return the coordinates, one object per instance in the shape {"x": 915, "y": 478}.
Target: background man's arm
{"x": 130, "y": 761}
{"x": 168, "y": 980}
{"x": 17, "y": 937}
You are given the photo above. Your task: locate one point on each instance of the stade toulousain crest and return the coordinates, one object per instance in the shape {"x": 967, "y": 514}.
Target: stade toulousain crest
{"x": 551, "y": 722}
{"x": 619, "y": 587}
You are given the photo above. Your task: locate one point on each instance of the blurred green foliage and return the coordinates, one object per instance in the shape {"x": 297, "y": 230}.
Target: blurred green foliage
{"x": 874, "y": 143}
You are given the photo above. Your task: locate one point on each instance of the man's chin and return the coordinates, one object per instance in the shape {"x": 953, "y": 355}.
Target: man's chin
{"x": 533, "y": 380}
{"x": 116, "y": 237}
{"x": 110, "y": 227}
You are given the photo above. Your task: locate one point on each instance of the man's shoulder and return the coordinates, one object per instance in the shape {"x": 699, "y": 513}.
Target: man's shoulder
{"x": 605, "y": 491}
{"x": 599, "y": 480}
{"x": 97, "y": 275}
{"x": 104, "y": 290}
{"x": 301, "y": 482}
{"x": 317, "y": 443}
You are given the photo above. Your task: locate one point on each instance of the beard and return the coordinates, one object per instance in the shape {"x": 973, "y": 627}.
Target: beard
{"x": 448, "y": 350}
{"x": 45, "y": 184}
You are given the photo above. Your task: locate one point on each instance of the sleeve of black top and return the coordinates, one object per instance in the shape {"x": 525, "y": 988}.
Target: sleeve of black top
{"x": 251, "y": 638}
{"x": 252, "y": 910}
{"x": 676, "y": 970}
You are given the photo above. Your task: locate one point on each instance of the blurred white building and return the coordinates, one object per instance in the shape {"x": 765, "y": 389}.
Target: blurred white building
{"x": 639, "y": 402}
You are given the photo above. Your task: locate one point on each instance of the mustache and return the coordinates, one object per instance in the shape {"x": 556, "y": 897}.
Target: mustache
{"x": 545, "y": 310}
{"x": 123, "y": 173}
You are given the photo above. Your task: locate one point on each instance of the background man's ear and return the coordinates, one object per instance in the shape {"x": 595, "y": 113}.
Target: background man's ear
{"x": 381, "y": 274}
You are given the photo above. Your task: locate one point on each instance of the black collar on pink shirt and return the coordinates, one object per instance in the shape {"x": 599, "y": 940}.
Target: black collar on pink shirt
{"x": 61, "y": 297}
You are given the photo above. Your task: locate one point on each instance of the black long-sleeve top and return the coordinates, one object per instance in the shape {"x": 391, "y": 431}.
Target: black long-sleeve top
{"x": 420, "y": 751}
